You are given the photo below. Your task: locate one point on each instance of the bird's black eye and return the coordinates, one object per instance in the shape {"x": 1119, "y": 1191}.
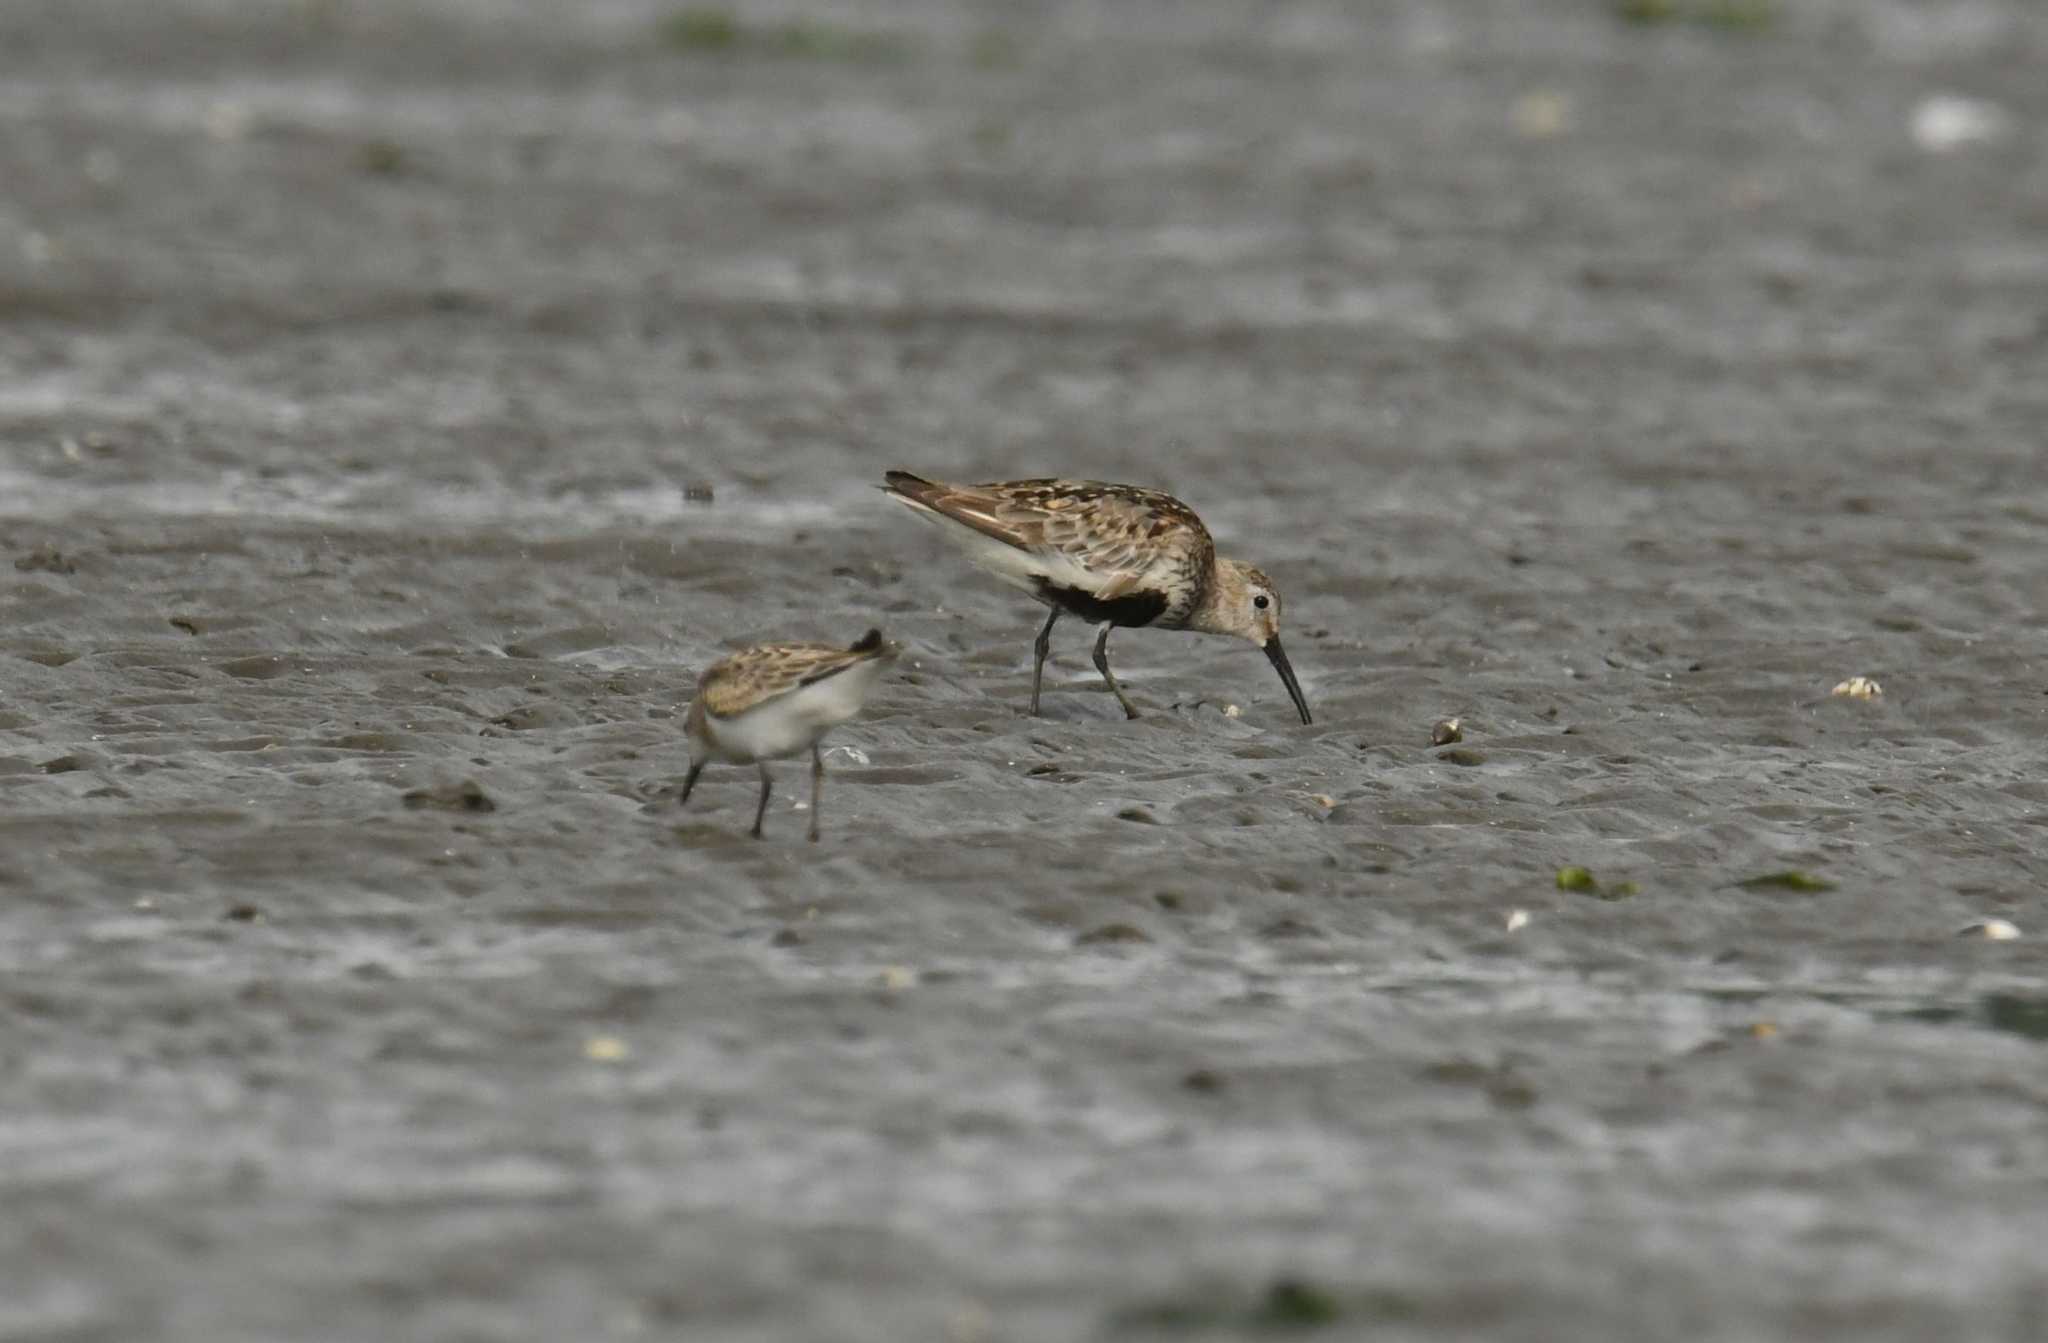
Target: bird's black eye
{"x": 1261, "y": 601}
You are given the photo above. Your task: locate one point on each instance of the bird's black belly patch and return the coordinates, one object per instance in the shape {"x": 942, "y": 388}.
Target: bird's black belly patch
{"x": 1136, "y": 608}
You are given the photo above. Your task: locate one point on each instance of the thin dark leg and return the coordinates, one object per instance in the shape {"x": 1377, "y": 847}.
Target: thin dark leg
{"x": 817, "y": 788}
{"x": 1042, "y": 647}
{"x": 1102, "y": 665}
{"x": 762, "y": 810}
{"x": 690, "y": 780}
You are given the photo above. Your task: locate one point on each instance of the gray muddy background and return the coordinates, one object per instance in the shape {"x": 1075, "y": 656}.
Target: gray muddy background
{"x": 1618, "y": 384}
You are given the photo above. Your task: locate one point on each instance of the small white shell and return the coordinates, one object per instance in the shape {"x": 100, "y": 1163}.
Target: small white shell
{"x": 1945, "y": 122}
{"x": 1517, "y": 919}
{"x": 1541, "y": 114}
{"x": 1858, "y": 687}
{"x": 1991, "y": 930}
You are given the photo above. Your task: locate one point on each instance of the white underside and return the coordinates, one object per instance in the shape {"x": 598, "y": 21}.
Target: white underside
{"x": 791, "y": 723}
{"x": 1023, "y": 569}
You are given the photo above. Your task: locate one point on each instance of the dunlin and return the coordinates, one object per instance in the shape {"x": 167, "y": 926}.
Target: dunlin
{"x": 774, "y": 700}
{"x": 1110, "y": 554}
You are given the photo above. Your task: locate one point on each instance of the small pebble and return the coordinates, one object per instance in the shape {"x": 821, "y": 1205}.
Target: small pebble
{"x": 1446, "y": 731}
{"x": 604, "y": 1049}
{"x": 1541, "y": 114}
{"x": 896, "y": 977}
{"x": 1518, "y": 919}
{"x": 1232, "y": 711}
{"x": 1858, "y": 687}
{"x": 1991, "y": 930}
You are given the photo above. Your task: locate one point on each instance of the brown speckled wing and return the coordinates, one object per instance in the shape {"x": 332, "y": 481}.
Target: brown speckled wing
{"x": 755, "y": 675}
{"x": 1119, "y": 531}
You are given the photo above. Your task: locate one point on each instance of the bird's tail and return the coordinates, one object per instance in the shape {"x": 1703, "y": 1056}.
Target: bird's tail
{"x": 965, "y": 504}
{"x": 912, "y": 489}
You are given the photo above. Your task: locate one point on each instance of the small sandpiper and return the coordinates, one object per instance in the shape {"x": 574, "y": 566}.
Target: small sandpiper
{"x": 1110, "y": 554}
{"x": 773, "y": 700}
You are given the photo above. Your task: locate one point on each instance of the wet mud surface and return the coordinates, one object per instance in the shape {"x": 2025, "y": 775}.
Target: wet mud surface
{"x": 399, "y": 403}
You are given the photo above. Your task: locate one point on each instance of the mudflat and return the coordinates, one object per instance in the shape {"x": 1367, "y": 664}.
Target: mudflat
{"x": 401, "y": 402}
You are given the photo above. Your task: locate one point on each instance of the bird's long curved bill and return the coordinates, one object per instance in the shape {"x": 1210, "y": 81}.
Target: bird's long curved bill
{"x": 1278, "y": 657}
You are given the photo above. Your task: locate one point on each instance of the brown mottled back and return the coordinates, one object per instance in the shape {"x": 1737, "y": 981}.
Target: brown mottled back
{"x": 1128, "y": 536}
{"x": 754, "y": 675}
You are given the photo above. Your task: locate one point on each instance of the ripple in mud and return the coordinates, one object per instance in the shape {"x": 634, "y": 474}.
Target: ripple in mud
{"x": 2016, "y": 1014}
{"x": 467, "y": 796}
{"x": 908, "y": 775}
{"x": 263, "y": 667}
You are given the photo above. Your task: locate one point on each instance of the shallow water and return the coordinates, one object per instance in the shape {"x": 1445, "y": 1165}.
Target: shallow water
{"x": 357, "y": 361}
